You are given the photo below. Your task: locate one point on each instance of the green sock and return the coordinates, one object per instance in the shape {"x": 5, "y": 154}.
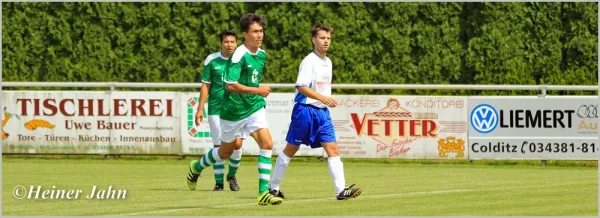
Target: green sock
{"x": 210, "y": 158}
{"x": 264, "y": 170}
{"x": 219, "y": 169}
{"x": 234, "y": 162}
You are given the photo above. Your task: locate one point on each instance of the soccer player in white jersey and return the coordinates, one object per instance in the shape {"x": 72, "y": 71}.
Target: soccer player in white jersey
{"x": 213, "y": 89}
{"x": 311, "y": 121}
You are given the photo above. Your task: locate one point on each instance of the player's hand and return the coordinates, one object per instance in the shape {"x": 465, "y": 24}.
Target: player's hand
{"x": 199, "y": 117}
{"x": 329, "y": 101}
{"x": 264, "y": 91}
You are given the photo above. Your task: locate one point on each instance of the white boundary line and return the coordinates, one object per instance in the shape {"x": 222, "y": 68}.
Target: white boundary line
{"x": 496, "y": 188}
{"x": 298, "y": 201}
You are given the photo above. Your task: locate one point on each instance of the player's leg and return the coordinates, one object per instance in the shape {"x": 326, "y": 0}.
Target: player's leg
{"x": 219, "y": 167}
{"x": 258, "y": 129}
{"x": 298, "y": 133}
{"x": 336, "y": 170}
{"x": 281, "y": 164}
{"x": 230, "y": 140}
{"x": 234, "y": 164}
{"x": 326, "y": 137}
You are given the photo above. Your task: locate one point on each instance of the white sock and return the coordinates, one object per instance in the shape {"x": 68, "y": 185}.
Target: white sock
{"x": 236, "y": 155}
{"x": 336, "y": 169}
{"x": 215, "y": 154}
{"x": 280, "y": 167}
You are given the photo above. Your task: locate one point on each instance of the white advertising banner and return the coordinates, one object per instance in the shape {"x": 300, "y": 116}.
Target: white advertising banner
{"x": 90, "y": 122}
{"x": 198, "y": 139}
{"x": 366, "y": 127}
{"x": 411, "y": 127}
{"x": 163, "y": 123}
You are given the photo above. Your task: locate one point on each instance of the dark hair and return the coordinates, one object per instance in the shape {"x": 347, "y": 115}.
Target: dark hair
{"x": 226, "y": 33}
{"x": 318, "y": 27}
{"x": 250, "y": 18}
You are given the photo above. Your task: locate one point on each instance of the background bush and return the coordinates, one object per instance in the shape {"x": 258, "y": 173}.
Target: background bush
{"x": 373, "y": 43}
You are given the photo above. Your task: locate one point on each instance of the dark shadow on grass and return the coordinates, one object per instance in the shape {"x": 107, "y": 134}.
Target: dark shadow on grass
{"x": 178, "y": 189}
{"x": 287, "y": 199}
{"x": 205, "y": 207}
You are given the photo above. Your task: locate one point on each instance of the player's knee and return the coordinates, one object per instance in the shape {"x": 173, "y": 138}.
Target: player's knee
{"x": 225, "y": 154}
{"x": 238, "y": 144}
{"x": 290, "y": 150}
{"x": 267, "y": 145}
{"x": 331, "y": 149}
{"x": 333, "y": 153}
{"x": 226, "y": 150}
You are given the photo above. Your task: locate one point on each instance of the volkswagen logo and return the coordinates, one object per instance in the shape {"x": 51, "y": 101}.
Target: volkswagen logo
{"x": 484, "y": 118}
{"x": 587, "y": 111}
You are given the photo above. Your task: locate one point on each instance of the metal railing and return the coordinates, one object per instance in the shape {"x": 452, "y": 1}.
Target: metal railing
{"x": 112, "y": 85}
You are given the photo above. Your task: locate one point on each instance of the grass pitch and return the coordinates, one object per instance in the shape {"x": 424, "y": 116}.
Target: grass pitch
{"x": 157, "y": 187}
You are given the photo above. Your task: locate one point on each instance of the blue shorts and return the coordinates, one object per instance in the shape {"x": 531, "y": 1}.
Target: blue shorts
{"x": 310, "y": 126}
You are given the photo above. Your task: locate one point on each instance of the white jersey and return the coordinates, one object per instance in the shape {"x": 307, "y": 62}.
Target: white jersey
{"x": 316, "y": 73}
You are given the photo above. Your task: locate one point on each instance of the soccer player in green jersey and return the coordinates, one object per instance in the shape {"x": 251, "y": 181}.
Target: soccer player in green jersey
{"x": 243, "y": 110}
{"x": 213, "y": 88}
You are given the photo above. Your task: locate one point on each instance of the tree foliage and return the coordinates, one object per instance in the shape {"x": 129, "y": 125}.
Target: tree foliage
{"x": 553, "y": 43}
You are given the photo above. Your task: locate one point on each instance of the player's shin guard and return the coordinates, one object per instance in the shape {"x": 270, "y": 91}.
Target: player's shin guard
{"x": 234, "y": 162}
{"x": 336, "y": 169}
{"x": 281, "y": 166}
{"x": 219, "y": 170}
{"x": 209, "y": 159}
{"x": 264, "y": 170}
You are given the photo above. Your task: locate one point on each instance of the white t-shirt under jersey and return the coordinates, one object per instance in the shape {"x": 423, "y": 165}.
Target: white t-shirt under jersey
{"x": 316, "y": 73}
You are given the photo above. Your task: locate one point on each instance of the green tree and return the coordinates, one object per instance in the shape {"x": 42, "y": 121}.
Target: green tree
{"x": 373, "y": 43}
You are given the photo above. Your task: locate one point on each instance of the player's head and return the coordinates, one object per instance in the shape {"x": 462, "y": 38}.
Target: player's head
{"x": 228, "y": 41}
{"x": 321, "y": 37}
{"x": 252, "y": 26}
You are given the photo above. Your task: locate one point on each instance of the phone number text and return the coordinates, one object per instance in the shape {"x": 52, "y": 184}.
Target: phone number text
{"x": 535, "y": 147}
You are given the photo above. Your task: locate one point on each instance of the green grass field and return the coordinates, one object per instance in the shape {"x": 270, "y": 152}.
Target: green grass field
{"x": 157, "y": 187}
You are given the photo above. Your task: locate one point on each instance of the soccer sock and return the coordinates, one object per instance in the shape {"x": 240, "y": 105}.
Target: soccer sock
{"x": 219, "y": 169}
{"x": 336, "y": 169}
{"x": 210, "y": 158}
{"x": 281, "y": 166}
{"x": 264, "y": 170}
{"x": 234, "y": 162}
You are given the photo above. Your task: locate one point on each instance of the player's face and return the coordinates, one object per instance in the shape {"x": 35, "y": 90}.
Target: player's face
{"x": 228, "y": 44}
{"x": 322, "y": 40}
{"x": 254, "y": 36}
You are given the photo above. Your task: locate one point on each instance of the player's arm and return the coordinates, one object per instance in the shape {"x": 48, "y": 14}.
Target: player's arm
{"x": 239, "y": 88}
{"x": 308, "y": 92}
{"x": 232, "y": 75}
{"x": 206, "y": 80}
{"x": 305, "y": 78}
{"x": 327, "y": 100}
{"x": 203, "y": 94}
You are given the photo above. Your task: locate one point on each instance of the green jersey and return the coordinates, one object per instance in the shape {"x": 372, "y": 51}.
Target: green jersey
{"x": 214, "y": 67}
{"x": 246, "y": 68}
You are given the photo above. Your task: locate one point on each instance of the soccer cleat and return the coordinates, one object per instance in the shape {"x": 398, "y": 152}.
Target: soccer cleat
{"x": 192, "y": 177}
{"x": 218, "y": 187}
{"x": 277, "y": 193}
{"x": 233, "y": 184}
{"x": 349, "y": 192}
{"x": 267, "y": 198}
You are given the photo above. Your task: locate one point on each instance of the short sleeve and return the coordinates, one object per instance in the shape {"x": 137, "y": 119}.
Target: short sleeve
{"x": 305, "y": 74}
{"x": 207, "y": 72}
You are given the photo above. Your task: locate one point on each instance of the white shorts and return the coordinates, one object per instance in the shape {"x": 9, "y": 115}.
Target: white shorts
{"x": 231, "y": 130}
{"x": 215, "y": 128}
